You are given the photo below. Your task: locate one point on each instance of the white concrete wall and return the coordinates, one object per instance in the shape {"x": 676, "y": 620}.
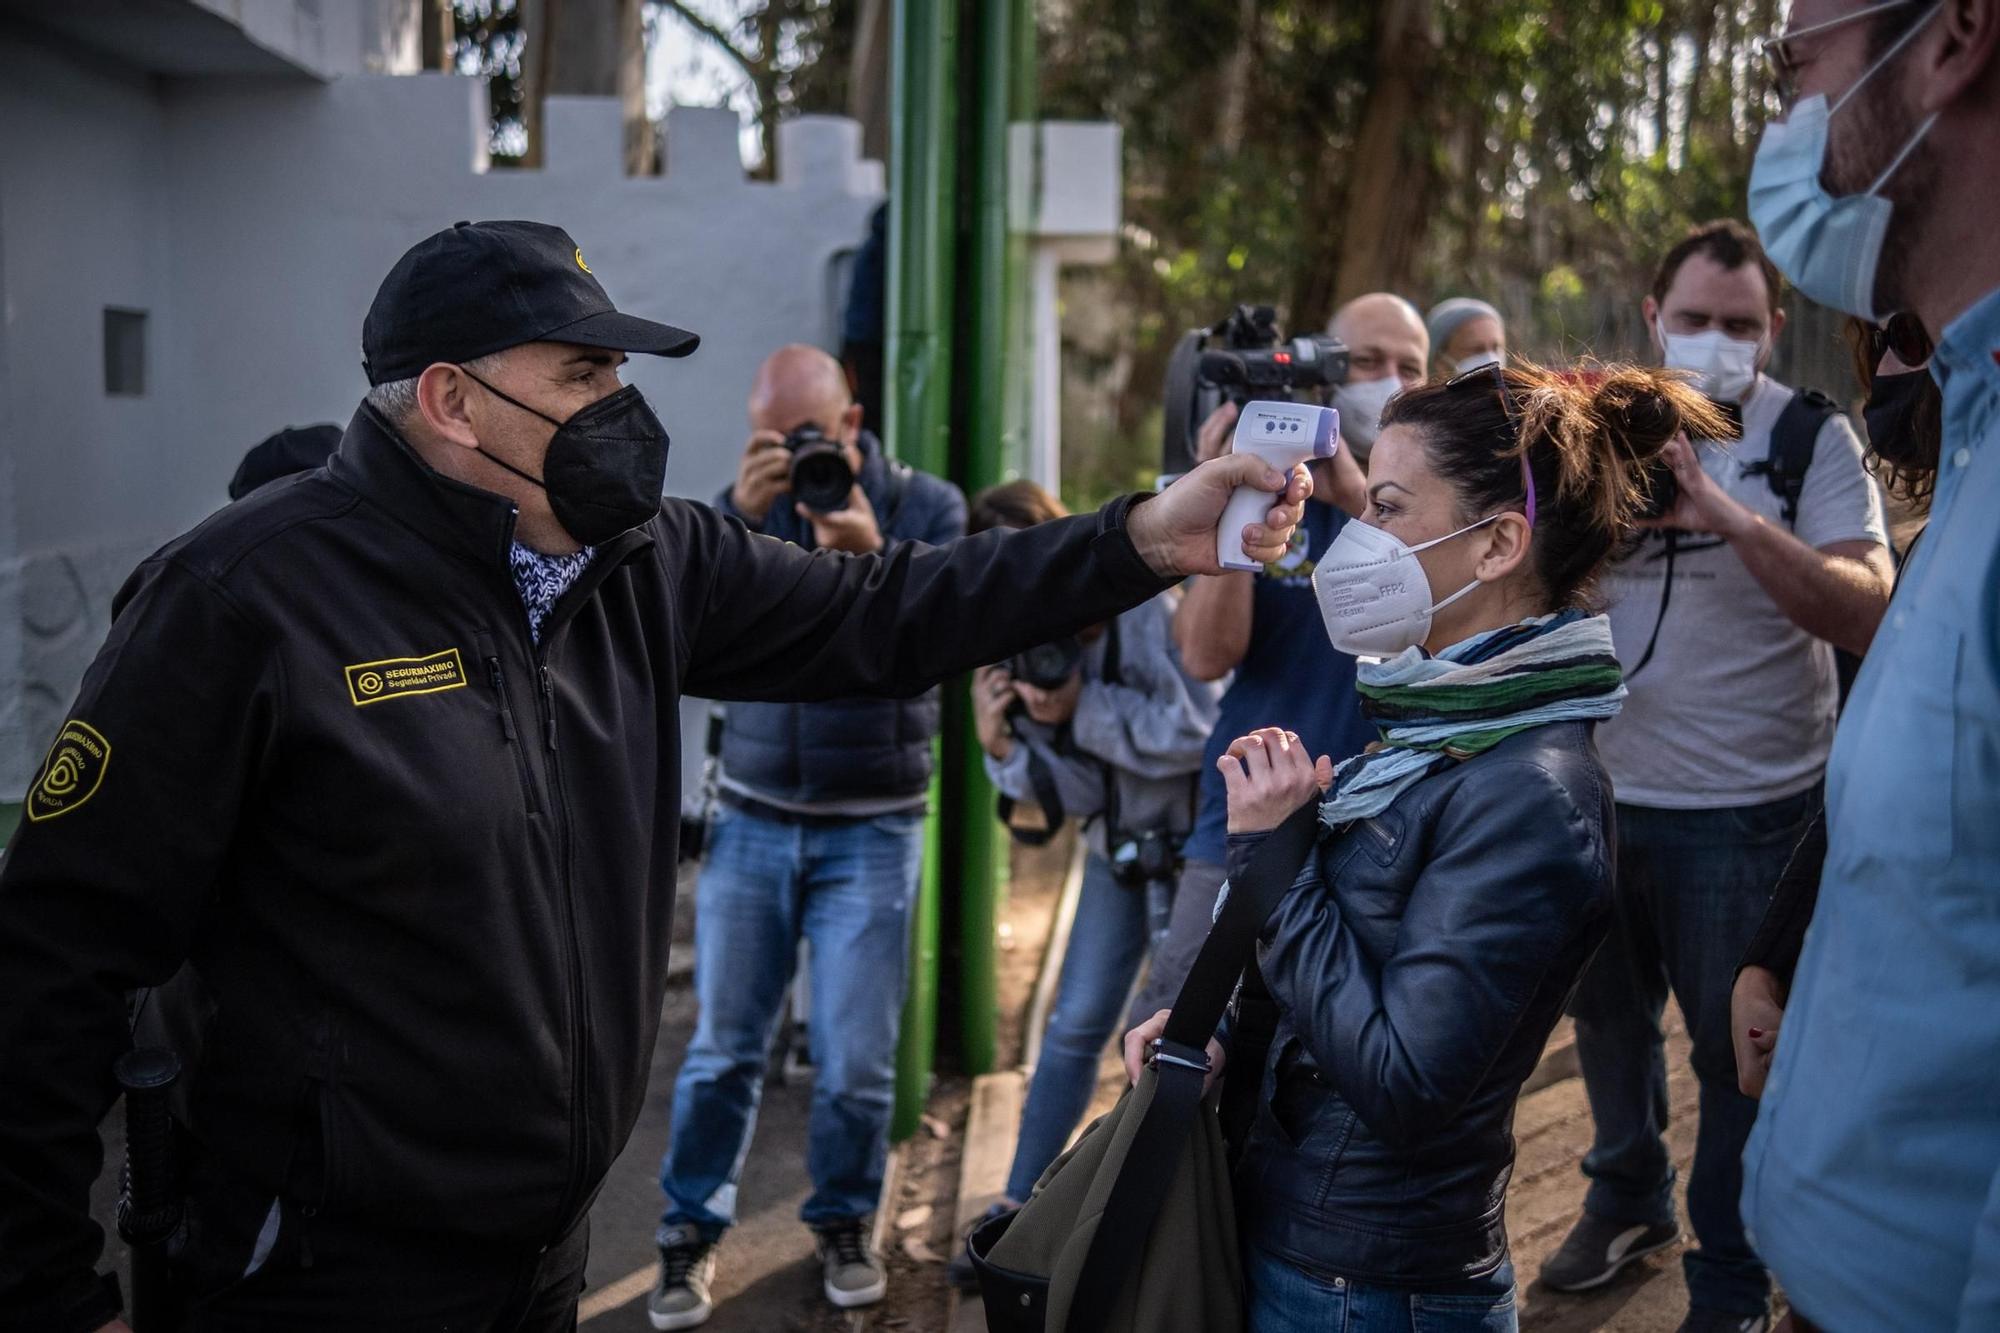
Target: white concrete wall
{"x": 254, "y": 219}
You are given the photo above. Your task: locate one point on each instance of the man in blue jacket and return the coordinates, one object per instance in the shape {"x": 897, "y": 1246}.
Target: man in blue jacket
{"x": 819, "y": 835}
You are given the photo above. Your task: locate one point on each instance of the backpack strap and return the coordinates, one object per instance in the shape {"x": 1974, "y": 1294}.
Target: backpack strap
{"x": 1154, "y": 1152}
{"x": 1794, "y": 435}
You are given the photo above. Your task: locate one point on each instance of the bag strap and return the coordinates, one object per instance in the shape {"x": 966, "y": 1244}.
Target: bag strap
{"x": 1152, "y": 1159}
{"x": 1794, "y": 436}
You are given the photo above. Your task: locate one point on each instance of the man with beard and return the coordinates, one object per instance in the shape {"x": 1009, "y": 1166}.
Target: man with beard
{"x": 1872, "y": 1179}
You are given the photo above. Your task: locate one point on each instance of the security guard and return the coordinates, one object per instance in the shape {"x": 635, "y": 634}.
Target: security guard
{"x": 388, "y": 755}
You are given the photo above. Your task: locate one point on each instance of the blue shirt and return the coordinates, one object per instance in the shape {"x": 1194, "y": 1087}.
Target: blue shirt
{"x": 1872, "y": 1181}
{"x": 1290, "y": 677}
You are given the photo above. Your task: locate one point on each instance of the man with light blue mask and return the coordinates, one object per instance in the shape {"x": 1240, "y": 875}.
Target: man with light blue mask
{"x": 1872, "y": 1180}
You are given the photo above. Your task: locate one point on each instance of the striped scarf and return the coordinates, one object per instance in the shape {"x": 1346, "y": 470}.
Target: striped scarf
{"x": 1434, "y": 710}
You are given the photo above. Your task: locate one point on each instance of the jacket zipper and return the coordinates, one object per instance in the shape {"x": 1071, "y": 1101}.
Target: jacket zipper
{"x": 579, "y": 1017}
{"x": 512, "y": 737}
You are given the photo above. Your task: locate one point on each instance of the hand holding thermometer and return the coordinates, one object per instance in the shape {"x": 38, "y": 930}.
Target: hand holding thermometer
{"x": 1283, "y": 435}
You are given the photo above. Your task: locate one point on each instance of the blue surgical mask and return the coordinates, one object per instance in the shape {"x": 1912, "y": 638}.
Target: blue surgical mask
{"x": 1829, "y": 247}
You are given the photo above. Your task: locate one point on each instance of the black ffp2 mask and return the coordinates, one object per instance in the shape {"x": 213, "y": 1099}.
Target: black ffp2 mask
{"x": 1891, "y": 418}
{"x": 605, "y": 464}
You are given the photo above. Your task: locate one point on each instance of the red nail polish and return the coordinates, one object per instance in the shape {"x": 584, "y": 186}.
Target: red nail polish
{"x": 1756, "y": 1032}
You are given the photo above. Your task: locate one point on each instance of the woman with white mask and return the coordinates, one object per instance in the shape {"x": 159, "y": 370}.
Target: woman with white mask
{"x": 1463, "y": 875}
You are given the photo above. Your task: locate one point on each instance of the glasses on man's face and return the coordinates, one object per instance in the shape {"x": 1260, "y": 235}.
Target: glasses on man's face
{"x": 1781, "y": 57}
{"x": 1905, "y": 335}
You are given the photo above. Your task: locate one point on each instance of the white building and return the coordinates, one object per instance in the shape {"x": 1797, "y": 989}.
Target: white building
{"x": 197, "y": 200}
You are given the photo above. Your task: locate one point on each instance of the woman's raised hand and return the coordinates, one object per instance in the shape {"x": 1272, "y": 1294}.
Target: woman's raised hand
{"x": 1268, "y": 775}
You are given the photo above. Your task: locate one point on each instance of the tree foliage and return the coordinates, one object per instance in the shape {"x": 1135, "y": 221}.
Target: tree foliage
{"x": 1303, "y": 151}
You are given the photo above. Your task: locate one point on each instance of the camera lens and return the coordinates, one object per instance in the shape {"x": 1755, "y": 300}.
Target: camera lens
{"x": 821, "y": 478}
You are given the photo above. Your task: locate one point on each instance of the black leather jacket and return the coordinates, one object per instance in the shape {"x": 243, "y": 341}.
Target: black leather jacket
{"x": 1419, "y": 965}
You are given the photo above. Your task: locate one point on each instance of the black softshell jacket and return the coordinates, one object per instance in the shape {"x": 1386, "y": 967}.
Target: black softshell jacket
{"x": 424, "y": 869}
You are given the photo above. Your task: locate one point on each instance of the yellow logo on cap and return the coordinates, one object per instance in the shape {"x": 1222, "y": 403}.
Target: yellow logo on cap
{"x": 579, "y": 261}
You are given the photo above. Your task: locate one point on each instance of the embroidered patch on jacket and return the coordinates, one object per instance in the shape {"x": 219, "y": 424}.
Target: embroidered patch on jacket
{"x": 71, "y": 774}
{"x": 399, "y": 677}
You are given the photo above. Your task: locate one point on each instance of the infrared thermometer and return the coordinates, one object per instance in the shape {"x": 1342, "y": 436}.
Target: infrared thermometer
{"x": 1283, "y": 435}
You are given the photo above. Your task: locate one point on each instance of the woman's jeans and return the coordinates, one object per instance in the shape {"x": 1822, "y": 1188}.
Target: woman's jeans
{"x": 1106, "y": 944}
{"x": 1286, "y": 1299}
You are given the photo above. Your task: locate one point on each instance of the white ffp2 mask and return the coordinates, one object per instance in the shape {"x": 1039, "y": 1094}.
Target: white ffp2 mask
{"x": 1360, "y": 406}
{"x": 1373, "y": 593}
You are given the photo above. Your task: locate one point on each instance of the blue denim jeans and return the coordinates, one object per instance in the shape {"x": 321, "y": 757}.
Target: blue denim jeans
{"x": 846, "y": 888}
{"x": 1107, "y": 941}
{"x": 1692, "y": 888}
{"x": 1287, "y": 1299}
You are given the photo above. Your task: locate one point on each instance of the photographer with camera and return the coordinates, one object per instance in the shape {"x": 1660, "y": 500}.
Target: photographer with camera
{"x": 1766, "y": 554}
{"x": 1113, "y": 742}
{"x": 818, "y": 833}
{"x": 1264, "y": 625}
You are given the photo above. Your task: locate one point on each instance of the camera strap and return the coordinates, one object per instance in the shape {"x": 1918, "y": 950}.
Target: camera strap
{"x": 1047, "y": 796}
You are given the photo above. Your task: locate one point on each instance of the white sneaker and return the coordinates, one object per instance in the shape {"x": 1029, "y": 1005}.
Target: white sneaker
{"x": 853, "y": 1276}
{"x": 680, "y": 1298}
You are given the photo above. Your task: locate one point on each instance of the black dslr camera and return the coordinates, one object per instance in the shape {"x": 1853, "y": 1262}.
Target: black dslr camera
{"x": 1047, "y": 665}
{"x": 821, "y": 478}
{"x": 1240, "y": 359}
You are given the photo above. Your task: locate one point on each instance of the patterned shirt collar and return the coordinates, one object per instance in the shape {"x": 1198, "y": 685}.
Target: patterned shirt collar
{"x": 543, "y": 579}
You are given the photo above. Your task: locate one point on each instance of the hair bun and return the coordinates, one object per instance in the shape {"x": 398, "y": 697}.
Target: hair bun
{"x": 1639, "y": 411}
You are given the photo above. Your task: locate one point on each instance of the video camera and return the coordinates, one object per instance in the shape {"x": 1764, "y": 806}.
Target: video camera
{"x": 1242, "y": 358}
{"x": 821, "y": 478}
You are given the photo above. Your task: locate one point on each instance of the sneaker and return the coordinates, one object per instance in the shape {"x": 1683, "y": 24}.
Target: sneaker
{"x": 960, "y": 1273}
{"x": 1596, "y": 1248}
{"x": 687, "y": 1266}
{"x": 1715, "y": 1321}
{"x": 853, "y": 1276}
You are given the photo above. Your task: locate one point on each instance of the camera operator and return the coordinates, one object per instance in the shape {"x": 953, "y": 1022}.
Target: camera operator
{"x": 1772, "y": 553}
{"x": 1387, "y": 348}
{"x": 1265, "y": 627}
{"x": 818, "y": 834}
{"x": 1114, "y": 745}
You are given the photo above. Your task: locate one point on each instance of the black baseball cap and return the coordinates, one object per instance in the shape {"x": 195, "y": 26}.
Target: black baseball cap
{"x": 482, "y": 287}
{"x": 293, "y": 449}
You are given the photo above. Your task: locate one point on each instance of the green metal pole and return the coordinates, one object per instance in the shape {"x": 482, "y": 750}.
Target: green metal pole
{"x": 993, "y": 355}
{"x": 922, "y": 243}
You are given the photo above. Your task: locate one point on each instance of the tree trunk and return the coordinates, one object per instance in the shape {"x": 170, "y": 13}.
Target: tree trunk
{"x": 1388, "y": 199}
{"x": 437, "y": 34}
{"x": 586, "y": 48}
{"x": 1235, "y": 112}
{"x": 868, "y": 79}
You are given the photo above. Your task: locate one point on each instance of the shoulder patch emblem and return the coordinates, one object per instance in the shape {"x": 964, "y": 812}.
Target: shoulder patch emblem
{"x": 71, "y": 774}
{"x": 398, "y": 677}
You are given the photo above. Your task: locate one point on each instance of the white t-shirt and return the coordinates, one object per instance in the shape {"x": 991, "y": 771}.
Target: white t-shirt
{"x": 1737, "y": 705}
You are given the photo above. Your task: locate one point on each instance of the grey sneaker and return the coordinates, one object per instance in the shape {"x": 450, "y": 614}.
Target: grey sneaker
{"x": 853, "y": 1276}
{"x": 1596, "y": 1248}
{"x": 1716, "y": 1321}
{"x": 687, "y": 1266}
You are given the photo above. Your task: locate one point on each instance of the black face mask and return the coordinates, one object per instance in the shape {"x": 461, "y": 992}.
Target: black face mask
{"x": 1891, "y": 418}
{"x": 605, "y": 465}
